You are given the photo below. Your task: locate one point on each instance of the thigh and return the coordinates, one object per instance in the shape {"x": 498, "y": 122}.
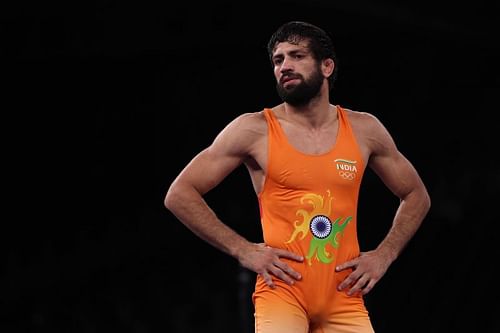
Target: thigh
{"x": 345, "y": 324}
{"x": 277, "y": 311}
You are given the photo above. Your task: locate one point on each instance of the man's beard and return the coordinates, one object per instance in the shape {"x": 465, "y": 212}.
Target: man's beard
{"x": 302, "y": 93}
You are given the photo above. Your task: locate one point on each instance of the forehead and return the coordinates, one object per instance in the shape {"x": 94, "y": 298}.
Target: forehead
{"x": 287, "y": 47}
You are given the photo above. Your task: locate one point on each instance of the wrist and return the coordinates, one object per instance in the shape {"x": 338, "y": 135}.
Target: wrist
{"x": 388, "y": 253}
{"x": 240, "y": 250}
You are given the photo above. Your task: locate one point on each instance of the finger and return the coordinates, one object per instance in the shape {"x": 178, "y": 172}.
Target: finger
{"x": 289, "y": 255}
{"x": 369, "y": 287}
{"x": 281, "y": 275}
{"x": 349, "y": 281}
{"x": 268, "y": 280}
{"x": 346, "y": 265}
{"x": 288, "y": 270}
{"x": 359, "y": 285}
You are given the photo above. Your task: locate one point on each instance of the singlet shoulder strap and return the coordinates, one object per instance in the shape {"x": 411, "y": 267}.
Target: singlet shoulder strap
{"x": 345, "y": 125}
{"x": 273, "y": 123}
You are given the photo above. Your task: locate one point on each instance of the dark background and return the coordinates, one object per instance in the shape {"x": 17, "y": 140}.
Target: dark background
{"x": 105, "y": 102}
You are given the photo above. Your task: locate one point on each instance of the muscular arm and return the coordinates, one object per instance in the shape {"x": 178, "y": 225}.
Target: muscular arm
{"x": 233, "y": 146}
{"x": 185, "y": 195}
{"x": 400, "y": 176}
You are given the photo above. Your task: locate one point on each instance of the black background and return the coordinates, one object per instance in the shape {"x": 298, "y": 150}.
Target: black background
{"x": 105, "y": 102}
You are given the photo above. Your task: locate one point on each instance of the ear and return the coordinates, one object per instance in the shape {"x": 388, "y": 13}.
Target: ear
{"x": 327, "y": 67}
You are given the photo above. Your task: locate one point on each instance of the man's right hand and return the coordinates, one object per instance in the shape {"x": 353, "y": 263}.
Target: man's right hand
{"x": 266, "y": 261}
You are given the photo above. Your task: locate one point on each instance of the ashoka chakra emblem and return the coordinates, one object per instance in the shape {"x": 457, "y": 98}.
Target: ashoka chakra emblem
{"x": 321, "y": 226}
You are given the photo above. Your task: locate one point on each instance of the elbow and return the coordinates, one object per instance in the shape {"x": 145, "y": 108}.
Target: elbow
{"x": 426, "y": 199}
{"x": 425, "y": 202}
{"x": 177, "y": 195}
{"x": 428, "y": 202}
{"x": 171, "y": 198}
{"x": 180, "y": 196}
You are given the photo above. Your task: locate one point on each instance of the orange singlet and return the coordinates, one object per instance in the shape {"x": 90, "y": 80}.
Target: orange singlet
{"x": 308, "y": 206}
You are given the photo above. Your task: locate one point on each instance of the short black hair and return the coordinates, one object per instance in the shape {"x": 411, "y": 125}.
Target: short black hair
{"x": 320, "y": 43}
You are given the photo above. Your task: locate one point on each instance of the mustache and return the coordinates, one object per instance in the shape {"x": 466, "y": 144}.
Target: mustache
{"x": 289, "y": 76}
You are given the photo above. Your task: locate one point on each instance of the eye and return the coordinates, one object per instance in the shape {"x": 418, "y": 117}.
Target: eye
{"x": 277, "y": 61}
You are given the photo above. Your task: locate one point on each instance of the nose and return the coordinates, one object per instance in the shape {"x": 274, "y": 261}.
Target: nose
{"x": 286, "y": 66}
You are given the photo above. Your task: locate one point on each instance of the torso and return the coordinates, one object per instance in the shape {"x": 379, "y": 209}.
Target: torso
{"x": 308, "y": 202}
{"x": 305, "y": 141}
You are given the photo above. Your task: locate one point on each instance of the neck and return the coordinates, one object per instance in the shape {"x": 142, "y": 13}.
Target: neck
{"x": 314, "y": 114}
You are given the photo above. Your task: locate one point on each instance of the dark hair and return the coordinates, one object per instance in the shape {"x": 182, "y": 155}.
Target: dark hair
{"x": 320, "y": 43}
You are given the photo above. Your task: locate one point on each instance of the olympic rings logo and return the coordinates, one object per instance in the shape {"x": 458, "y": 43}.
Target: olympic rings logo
{"x": 347, "y": 175}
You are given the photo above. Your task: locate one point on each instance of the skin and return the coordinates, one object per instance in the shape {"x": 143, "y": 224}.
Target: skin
{"x": 312, "y": 129}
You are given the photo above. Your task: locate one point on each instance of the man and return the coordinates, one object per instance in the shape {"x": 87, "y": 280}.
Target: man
{"x": 306, "y": 158}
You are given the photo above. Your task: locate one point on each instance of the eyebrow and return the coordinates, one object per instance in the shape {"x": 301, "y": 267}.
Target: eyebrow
{"x": 292, "y": 52}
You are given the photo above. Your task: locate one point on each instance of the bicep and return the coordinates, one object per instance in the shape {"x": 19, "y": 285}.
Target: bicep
{"x": 396, "y": 172}
{"x": 393, "y": 168}
{"x": 229, "y": 150}
{"x": 207, "y": 169}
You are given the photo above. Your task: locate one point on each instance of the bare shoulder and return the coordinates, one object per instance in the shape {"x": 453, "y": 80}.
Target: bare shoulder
{"x": 241, "y": 134}
{"x": 362, "y": 120}
{"x": 369, "y": 130}
{"x": 251, "y": 123}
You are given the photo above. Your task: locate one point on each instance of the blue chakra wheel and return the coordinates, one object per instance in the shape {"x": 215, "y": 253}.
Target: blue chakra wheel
{"x": 321, "y": 226}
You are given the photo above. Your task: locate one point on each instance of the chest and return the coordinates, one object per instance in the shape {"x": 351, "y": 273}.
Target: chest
{"x": 310, "y": 142}
{"x": 293, "y": 170}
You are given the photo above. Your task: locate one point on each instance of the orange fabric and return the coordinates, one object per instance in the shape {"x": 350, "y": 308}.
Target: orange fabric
{"x": 308, "y": 206}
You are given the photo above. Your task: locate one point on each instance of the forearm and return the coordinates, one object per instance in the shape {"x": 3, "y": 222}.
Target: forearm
{"x": 408, "y": 218}
{"x": 192, "y": 210}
